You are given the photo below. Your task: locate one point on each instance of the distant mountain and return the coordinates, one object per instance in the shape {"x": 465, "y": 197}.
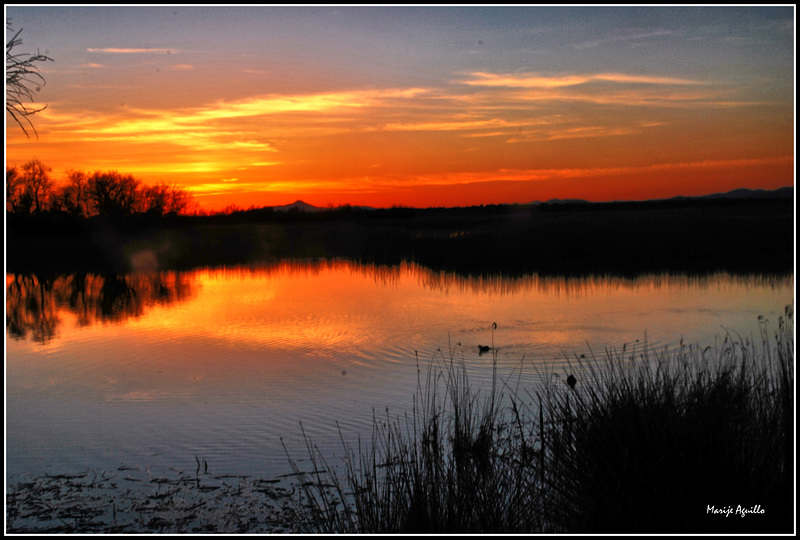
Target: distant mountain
{"x": 297, "y": 206}
{"x": 302, "y": 206}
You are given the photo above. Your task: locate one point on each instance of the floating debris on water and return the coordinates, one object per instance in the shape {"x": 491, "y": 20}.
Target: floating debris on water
{"x": 101, "y": 502}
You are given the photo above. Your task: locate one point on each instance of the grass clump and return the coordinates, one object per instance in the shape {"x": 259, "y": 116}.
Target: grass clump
{"x": 695, "y": 440}
{"x": 668, "y": 443}
{"x": 451, "y": 465}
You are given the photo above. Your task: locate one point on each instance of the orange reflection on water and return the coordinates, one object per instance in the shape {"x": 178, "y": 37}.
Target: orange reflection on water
{"x": 291, "y": 305}
{"x": 315, "y": 311}
{"x": 275, "y": 303}
{"x": 322, "y": 339}
{"x": 222, "y": 362}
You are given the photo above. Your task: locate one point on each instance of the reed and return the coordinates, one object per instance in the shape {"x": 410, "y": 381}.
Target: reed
{"x": 661, "y": 442}
{"x": 451, "y": 465}
{"x": 641, "y": 441}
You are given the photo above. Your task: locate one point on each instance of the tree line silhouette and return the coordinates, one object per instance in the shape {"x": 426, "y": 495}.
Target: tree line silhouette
{"x": 31, "y": 192}
{"x": 108, "y": 221}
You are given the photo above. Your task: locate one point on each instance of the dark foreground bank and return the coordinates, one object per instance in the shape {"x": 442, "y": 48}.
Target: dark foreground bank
{"x": 682, "y": 236}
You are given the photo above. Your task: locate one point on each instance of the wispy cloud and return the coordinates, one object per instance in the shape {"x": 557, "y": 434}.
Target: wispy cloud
{"x": 230, "y": 129}
{"x": 226, "y": 187}
{"x": 630, "y": 36}
{"x": 146, "y": 50}
{"x": 582, "y": 132}
{"x": 610, "y": 88}
{"x": 456, "y": 125}
{"x": 227, "y": 134}
{"x": 537, "y": 80}
{"x": 268, "y": 105}
{"x": 144, "y": 121}
{"x": 534, "y": 175}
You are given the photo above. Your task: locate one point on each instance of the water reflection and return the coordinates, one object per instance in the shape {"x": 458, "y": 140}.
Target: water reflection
{"x": 444, "y": 281}
{"x": 34, "y": 305}
{"x": 220, "y": 362}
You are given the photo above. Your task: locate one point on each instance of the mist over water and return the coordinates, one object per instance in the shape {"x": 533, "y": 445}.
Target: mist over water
{"x": 156, "y": 368}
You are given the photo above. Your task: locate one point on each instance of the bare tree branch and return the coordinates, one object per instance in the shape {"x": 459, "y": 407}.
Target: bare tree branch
{"x": 22, "y": 81}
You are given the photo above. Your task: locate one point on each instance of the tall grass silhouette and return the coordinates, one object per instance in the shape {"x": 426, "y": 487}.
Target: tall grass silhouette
{"x": 693, "y": 440}
{"x": 657, "y": 443}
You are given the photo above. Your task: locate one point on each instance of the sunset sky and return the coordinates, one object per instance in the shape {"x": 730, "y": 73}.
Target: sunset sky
{"x": 445, "y": 106}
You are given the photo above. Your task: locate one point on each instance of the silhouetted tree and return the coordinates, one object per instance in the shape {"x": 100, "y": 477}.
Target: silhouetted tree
{"x": 113, "y": 194}
{"x": 73, "y": 196}
{"x": 13, "y": 190}
{"x": 22, "y": 81}
{"x": 29, "y": 188}
{"x": 30, "y": 191}
{"x": 179, "y": 201}
{"x": 162, "y": 199}
{"x": 154, "y": 199}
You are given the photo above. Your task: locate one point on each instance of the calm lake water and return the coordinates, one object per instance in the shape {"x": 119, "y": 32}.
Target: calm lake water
{"x": 156, "y": 369}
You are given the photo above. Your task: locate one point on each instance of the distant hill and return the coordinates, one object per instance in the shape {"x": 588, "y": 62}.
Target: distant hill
{"x": 297, "y": 206}
{"x": 752, "y": 194}
{"x": 785, "y": 192}
{"x": 302, "y": 206}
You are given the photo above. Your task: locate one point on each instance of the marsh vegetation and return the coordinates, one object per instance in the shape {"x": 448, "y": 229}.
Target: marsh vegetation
{"x": 636, "y": 441}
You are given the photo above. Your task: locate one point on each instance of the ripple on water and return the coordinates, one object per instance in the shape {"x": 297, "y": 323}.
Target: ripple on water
{"x": 227, "y": 371}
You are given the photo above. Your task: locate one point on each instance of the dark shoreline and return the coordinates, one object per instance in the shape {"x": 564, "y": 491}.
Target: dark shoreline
{"x": 695, "y": 236}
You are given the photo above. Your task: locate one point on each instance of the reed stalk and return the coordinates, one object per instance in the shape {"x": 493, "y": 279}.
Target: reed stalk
{"x": 642, "y": 441}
